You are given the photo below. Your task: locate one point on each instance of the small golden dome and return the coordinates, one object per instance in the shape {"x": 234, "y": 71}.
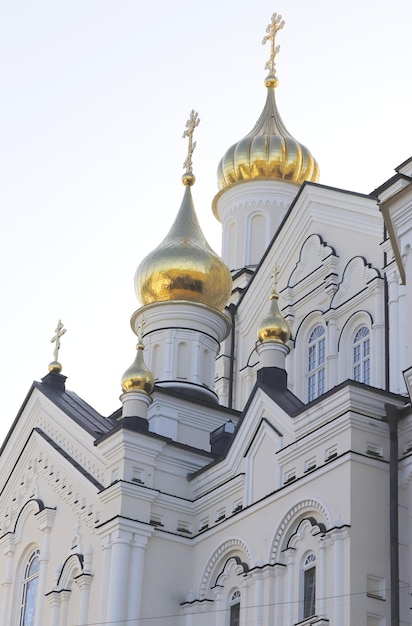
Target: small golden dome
{"x": 269, "y": 151}
{"x": 274, "y": 328}
{"x": 138, "y": 377}
{"x": 183, "y": 266}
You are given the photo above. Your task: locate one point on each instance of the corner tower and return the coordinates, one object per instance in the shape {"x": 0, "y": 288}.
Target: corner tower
{"x": 259, "y": 176}
{"x": 183, "y": 286}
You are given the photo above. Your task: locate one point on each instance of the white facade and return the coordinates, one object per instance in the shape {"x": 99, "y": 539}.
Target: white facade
{"x": 289, "y": 500}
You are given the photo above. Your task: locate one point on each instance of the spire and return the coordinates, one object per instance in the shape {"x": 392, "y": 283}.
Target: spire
{"x": 268, "y": 151}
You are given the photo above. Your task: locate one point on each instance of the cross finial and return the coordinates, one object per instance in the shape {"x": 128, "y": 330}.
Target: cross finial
{"x": 275, "y": 25}
{"x": 191, "y": 124}
{"x": 140, "y": 326}
{"x": 55, "y": 366}
{"x": 275, "y": 276}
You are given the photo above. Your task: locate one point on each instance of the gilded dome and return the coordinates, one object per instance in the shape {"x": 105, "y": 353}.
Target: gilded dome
{"x": 269, "y": 151}
{"x": 274, "y": 328}
{"x": 138, "y": 377}
{"x": 183, "y": 266}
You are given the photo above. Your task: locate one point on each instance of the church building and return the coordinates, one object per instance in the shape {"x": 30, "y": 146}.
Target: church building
{"x": 258, "y": 468}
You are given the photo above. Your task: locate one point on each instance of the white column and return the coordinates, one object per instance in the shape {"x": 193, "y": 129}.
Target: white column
{"x": 8, "y": 551}
{"x": 393, "y": 314}
{"x": 408, "y": 281}
{"x": 321, "y": 599}
{"x": 245, "y": 612}
{"x": 64, "y": 607}
{"x": 291, "y": 587}
{"x": 280, "y": 611}
{"x": 219, "y": 608}
{"x": 258, "y": 580}
{"x": 378, "y": 379}
{"x": 339, "y": 589}
{"x": 54, "y": 601}
{"x": 136, "y": 580}
{"x": 45, "y": 519}
{"x": 332, "y": 354}
{"x": 84, "y": 582}
{"x": 196, "y": 356}
{"x": 404, "y": 322}
{"x": 105, "y": 574}
{"x": 116, "y": 614}
{"x": 167, "y": 373}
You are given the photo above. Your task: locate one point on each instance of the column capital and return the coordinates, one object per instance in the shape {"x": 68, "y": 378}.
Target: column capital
{"x": 45, "y": 518}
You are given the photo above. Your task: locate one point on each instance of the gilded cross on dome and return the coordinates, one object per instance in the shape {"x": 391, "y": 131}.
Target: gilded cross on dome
{"x": 275, "y": 276}
{"x": 275, "y": 25}
{"x": 59, "y": 330}
{"x": 140, "y": 326}
{"x": 55, "y": 366}
{"x": 191, "y": 124}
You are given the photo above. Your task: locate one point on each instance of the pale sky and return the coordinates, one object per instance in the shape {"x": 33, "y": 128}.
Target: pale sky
{"x": 94, "y": 99}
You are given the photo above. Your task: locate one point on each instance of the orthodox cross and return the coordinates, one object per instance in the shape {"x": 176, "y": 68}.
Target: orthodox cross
{"x": 275, "y": 25}
{"x": 140, "y": 326}
{"x": 56, "y": 339}
{"x": 275, "y": 276}
{"x": 191, "y": 124}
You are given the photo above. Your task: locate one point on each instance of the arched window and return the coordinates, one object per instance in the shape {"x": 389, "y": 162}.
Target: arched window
{"x": 316, "y": 363}
{"x": 309, "y": 586}
{"x": 29, "y": 591}
{"x": 234, "y": 609}
{"x": 361, "y": 355}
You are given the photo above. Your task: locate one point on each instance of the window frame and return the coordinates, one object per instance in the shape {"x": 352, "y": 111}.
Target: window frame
{"x": 309, "y": 586}
{"x": 316, "y": 362}
{"x": 234, "y": 608}
{"x": 29, "y": 577}
{"x": 361, "y": 355}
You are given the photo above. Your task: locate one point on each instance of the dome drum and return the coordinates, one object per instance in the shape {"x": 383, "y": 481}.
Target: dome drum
{"x": 182, "y": 342}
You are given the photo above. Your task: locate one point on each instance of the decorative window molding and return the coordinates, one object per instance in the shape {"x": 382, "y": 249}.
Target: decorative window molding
{"x": 156, "y": 520}
{"x": 220, "y": 515}
{"x": 310, "y": 464}
{"x": 331, "y": 453}
{"x": 374, "y": 449}
{"x": 375, "y": 587}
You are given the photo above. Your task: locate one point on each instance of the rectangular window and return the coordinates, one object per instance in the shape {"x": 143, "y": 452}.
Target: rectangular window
{"x": 312, "y": 357}
{"x": 321, "y": 382}
{"x": 235, "y": 615}
{"x": 309, "y": 592}
{"x": 321, "y": 351}
{"x": 311, "y": 388}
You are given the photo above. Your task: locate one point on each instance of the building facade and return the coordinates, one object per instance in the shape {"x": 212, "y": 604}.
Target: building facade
{"x": 258, "y": 470}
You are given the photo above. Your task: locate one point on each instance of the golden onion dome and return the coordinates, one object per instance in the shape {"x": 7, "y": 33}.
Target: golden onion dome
{"x": 138, "y": 377}
{"x": 183, "y": 266}
{"x": 269, "y": 151}
{"x": 274, "y": 328}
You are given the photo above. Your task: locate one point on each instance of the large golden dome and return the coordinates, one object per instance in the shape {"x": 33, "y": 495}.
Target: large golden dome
{"x": 269, "y": 151}
{"x": 183, "y": 266}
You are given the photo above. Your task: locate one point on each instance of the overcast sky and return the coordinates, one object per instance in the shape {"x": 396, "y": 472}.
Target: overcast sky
{"x": 94, "y": 99}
